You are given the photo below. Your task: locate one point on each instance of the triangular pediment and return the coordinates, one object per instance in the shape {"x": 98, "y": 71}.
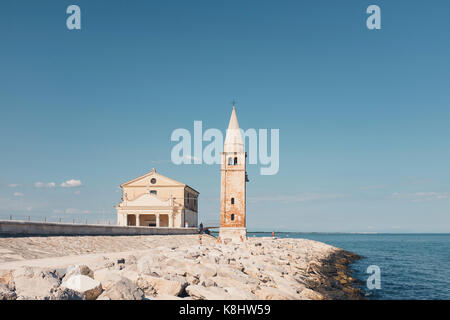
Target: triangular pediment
{"x": 146, "y": 180}
{"x": 148, "y": 200}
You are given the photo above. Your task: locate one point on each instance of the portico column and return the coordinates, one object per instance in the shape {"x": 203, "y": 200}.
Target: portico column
{"x": 170, "y": 220}
{"x": 138, "y": 223}
{"x": 157, "y": 220}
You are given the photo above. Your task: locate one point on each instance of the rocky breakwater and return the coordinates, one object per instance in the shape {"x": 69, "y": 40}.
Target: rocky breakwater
{"x": 260, "y": 268}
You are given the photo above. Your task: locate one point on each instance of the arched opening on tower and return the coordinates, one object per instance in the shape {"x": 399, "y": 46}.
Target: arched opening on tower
{"x": 235, "y": 161}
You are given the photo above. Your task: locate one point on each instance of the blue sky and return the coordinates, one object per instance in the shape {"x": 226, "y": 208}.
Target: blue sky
{"x": 363, "y": 115}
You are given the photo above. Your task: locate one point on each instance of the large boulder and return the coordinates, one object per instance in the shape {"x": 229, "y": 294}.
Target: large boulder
{"x": 6, "y": 293}
{"x": 78, "y": 270}
{"x": 124, "y": 289}
{"x": 193, "y": 253}
{"x": 84, "y": 285}
{"x": 308, "y": 294}
{"x": 107, "y": 277}
{"x": 155, "y": 285}
{"x": 149, "y": 265}
{"x": 226, "y": 282}
{"x": 269, "y": 293}
{"x": 164, "y": 297}
{"x": 207, "y": 293}
{"x": 201, "y": 270}
{"x": 6, "y": 278}
{"x": 176, "y": 264}
{"x": 130, "y": 274}
{"x": 237, "y": 275}
{"x": 67, "y": 294}
{"x": 288, "y": 285}
{"x": 35, "y": 284}
{"x": 239, "y": 293}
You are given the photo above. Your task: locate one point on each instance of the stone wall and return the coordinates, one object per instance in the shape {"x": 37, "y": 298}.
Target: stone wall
{"x": 15, "y": 228}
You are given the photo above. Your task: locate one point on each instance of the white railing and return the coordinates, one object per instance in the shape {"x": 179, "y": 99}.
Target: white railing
{"x": 59, "y": 219}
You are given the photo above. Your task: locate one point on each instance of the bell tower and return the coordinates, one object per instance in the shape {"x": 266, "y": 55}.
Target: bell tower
{"x": 233, "y": 185}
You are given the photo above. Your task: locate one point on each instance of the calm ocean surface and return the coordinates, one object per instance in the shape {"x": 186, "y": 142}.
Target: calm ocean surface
{"x": 413, "y": 266}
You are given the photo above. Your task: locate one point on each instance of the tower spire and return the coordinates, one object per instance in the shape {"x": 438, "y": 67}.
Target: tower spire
{"x": 233, "y": 139}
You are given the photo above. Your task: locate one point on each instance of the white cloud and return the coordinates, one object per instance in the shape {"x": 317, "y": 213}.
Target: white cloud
{"x": 45, "y": 185}
{"x": 13, "y": 185}
{"x": 374, "y": 187}
{"x": 74, "y": 211}
{"x": 72, "y": 183}
{"x": 421, "y": 196}
{"x": 300, "y": 197}
{"x": 161, "y": 161}
{"x": 18, "y": 194}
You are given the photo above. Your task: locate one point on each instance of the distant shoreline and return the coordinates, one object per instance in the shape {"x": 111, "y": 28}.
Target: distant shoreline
{"x": 331, "y": 233}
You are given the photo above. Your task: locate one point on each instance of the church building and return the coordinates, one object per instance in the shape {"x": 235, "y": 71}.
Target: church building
{"x": 233, "y": 185}
{"x": 154, "y": 200}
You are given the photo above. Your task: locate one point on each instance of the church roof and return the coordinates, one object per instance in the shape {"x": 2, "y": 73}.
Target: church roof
{"x": 233, "y": 139}
{"x": 146, "y": 177}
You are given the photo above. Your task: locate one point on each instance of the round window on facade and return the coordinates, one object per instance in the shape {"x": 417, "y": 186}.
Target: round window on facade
{"x": 153, "y": 181}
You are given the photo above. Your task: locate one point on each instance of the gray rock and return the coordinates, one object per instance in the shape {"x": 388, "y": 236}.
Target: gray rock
{"x": 6, "y": 278}
{"x": 107, "y": 277}
{"x": 6, "y": 293}
{"x": 160, "y": 286}
{"x": 35, "y": 283}
{"x": 148, "y": 264}
{"x": 84, "y": 285}
{"x": 78, "y": 270}
{"x": 67, "y": 294}
{"x": 269, "y": 293}
{"x": 308, "y": 294}
{"x": 201, "y": 270}
{"x": 239, "y": 293}
{"x": 60, "y": 272}
{"x": 130, "y": 260}
{"x": 103, "y": 296}
{"x": 124, "y": 289}
{"x": 210, "y": 293}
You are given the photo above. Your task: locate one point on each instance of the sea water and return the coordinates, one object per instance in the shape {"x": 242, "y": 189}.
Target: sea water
{"x": 413, "y": 266}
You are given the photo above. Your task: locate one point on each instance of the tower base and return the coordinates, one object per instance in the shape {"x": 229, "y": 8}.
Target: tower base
{"x": 228, "y": 234}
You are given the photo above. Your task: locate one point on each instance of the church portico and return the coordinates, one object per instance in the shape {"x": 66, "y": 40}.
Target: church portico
{"x": 154, "y": 200}
{"x": 147, "y": 219}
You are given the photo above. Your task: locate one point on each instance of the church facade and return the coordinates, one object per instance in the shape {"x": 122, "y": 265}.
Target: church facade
{"x": 233, "y": 185}
{"x": 154, "y": 200}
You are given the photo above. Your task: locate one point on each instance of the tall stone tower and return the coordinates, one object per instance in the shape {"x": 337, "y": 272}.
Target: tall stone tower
{"x": 233, "y": 181}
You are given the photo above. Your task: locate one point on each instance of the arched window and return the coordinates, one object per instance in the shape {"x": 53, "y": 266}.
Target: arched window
{"x": 235, "y": 161}
{"x": 232, "y": 200}
{"x": 230, "y": 161}
{"x": 232, "y": 217}
{"x": 153, "y": 192}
